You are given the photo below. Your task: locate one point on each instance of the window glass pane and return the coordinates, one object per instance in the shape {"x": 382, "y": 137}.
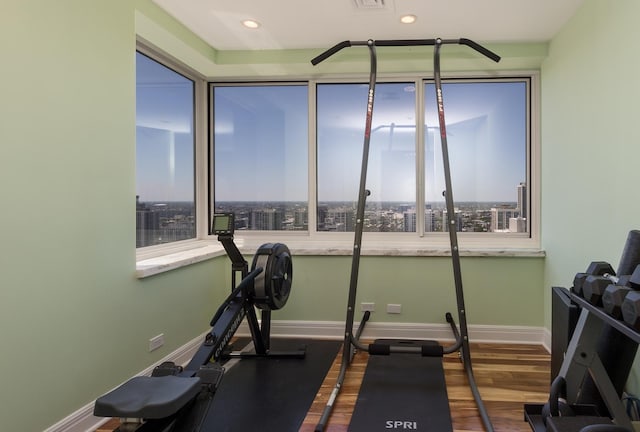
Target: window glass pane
{"x": 341, "y": 113}
{"x": 487, "y": 144}
{"x": 165, "y": 206}
{"x": 261, "y": 155}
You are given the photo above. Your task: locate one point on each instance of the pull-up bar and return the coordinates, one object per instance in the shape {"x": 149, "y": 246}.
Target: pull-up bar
{"x": 461, "y": 337}
{"x": 407, "y": 42}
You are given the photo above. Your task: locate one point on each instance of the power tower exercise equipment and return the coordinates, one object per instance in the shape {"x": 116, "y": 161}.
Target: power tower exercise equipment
{"x": 387, "y": 420}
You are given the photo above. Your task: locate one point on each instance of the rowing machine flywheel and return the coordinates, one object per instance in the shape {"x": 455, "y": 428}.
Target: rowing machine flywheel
{"x": 273, "y": 285}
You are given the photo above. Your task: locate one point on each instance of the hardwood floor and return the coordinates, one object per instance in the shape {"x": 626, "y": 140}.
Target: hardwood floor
{"x": 507, "y": 375}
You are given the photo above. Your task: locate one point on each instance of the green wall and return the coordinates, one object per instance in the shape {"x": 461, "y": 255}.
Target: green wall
{"x": 498, "y": 291}
{"x": 590, "y": 139}
{"x": 75, "y": 321}
{"x": 590, "y": 142}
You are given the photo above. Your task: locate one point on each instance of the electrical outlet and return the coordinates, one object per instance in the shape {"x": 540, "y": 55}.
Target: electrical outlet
{"x": 367, "y": 306}
{"x": 394, "y": 308}
{"x": 156, "y": 342}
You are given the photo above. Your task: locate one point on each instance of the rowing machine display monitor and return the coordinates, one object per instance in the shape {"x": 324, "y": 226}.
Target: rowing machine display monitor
{"x": 223, "y": 224}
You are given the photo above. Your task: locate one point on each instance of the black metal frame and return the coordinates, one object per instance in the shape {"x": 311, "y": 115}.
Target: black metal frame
{"x": 583, "y": 358}
{"x": 350, "y": 342}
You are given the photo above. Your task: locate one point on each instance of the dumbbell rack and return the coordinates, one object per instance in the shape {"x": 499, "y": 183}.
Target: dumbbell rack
{"x": 581, "y": 358}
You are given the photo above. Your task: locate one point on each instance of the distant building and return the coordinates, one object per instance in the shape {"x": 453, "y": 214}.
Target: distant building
{"x": 522, "y": 200}
{"x": 429, "y": 219}
{"x": 300, "y": 219}
{"x": 340, "y": 219}
{"x": 322, "y": 211}
{"x": 522, "y": 207}
{"x": 147, "y": 224}
{"x": 267, "y": 219}
{"x": 445, "y": 220}
{"x": 409, "y": 217}
{"x": 500, "y": 218}
{"x": 410, "y": 224}
{"x": 518, "y": 225}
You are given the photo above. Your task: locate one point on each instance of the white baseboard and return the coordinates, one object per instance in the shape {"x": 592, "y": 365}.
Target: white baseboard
{"x": 83, "y": 419}
{"x": 546, "y": 340}
{"x": 373, "y": 330}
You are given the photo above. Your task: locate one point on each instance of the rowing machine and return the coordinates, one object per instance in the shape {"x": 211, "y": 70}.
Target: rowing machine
{"x": 176, "y": 398}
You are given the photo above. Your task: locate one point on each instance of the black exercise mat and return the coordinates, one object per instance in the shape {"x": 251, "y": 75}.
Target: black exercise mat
{"x": 402, "y": 392}
{"x": 271, "y": 395}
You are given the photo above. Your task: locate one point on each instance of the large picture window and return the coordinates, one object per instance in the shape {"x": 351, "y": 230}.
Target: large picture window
{"x": 288, "y": 157}
{"x": 165, "y": 194}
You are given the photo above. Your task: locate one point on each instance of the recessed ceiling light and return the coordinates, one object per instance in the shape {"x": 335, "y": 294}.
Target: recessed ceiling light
{"x": 252, "y": 24}
{"x": 408, "y": 19}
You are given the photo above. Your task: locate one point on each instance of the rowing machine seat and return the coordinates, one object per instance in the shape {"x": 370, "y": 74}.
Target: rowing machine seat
{"x": 148, "y": 397}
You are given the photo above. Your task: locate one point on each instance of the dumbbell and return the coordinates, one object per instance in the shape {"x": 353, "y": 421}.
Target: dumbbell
{"x": 614, "y": 294}
{"x": 596, "y": 268}
{"x": 631, "y": 303}
{"x": 594, "y": 287}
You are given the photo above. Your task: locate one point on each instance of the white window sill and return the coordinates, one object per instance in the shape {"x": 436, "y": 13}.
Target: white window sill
{"x": 202, "y": 250}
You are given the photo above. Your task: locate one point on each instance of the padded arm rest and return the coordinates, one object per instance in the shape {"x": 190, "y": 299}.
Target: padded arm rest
{"x": 148, "y": 397}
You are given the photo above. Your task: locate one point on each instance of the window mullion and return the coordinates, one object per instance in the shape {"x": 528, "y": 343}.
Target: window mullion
{"x": 420, "y": 165}
{"x": 201, "y": 161}
{"x": 312, "y": 213}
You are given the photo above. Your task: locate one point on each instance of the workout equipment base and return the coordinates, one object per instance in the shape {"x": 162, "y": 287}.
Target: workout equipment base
{"x": 403, "y": 392}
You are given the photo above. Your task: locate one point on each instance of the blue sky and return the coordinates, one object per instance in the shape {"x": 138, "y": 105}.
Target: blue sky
{"x": 486, "y": 136}
{"x": 262, "y": 134}
{"x": 164, "y": 133}
{"x": 486, "y": 140}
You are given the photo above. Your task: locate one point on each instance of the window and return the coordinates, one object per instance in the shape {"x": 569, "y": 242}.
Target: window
{"x": 260, "y": 138}
{"x": 391, "y": 175}
{"x": 289, "y": 157}
{"x": 165, "y": 143}
{"x": 487, "y": 124}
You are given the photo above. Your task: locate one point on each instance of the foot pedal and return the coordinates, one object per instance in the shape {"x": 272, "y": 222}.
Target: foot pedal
{"x": 211, "y": 375}
{"x": 166, "y": 368}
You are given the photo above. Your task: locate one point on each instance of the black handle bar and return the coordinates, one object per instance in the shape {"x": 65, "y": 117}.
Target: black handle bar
{"x": 331, "y": 51}
{"x": 407, "y": 42}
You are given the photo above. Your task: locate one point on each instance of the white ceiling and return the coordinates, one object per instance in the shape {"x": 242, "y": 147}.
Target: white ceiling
{"x": 298, "y": 24}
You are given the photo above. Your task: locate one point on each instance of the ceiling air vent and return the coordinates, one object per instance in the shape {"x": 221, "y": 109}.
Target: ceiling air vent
{"x": 369, "y": 4}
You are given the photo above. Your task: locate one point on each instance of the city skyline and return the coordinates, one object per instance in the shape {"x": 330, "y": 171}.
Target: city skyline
{"x": 163, "y": 222}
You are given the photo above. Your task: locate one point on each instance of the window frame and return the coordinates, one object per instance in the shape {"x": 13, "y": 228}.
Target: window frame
{"x": 419, "y": 240}
{"x": 408, "y": 80}
{"x": 211, "y": 144}
{"x": 200, "y": 160}
{"x": 495, "y": 237}
{"x": 156, "y": 259}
